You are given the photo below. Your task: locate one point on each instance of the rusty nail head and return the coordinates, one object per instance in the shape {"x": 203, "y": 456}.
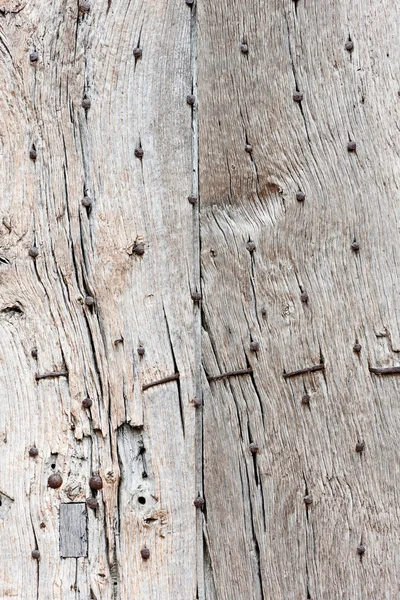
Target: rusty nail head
{"x": 355, "y": 246}
{"x": 304, "y": 297}
{"x": 33, "y": 153}
{"x": 84, "y": 6}
{"x": 300, "y": 196}
{"x": 250, "y": 246}
{"x": 89, "y": 301}
{"x": 33, "y": 252}
{"x": 140, "y": 351}
{"x": 199, "y": 502}
{"x": 248, "y": 148}
{"x": 139, "y": 153}
{"x": 86, "y": 103}
{"x": 254, "y": 346}
{"x": 145, "y": 553}
{"x": 305, "y": 400}
{"x": 308, "y": 499}
{"x": 35, "y": 554}
{"x": 361, "y": 549}
{"x": 34, "y": 353}
{"x": 253, "y": 448}
{"x": 95, "y": 482}
{"x": 55, "y": 481}
{"x": 349, "y": 46}
{"x": 244, "y": 48}
{"x": 192, "y": 199}
{"x": 351, "y": 146}
{"x": 297, "y": 96}
{"x": 92, "y": 503}
{"x": 357, "y": 348}
{"x": 137, "y": 52}
{"x": 196, "y": 296}
{"x": 360, "y": 447}
{"x": 87, "y": 201}
{"x": 190, "y": 99}
{"x": 264, "y": 312}
{"x": 34, "y": 57}
{"x": 42, "y": 525}
{"x": 33, "y": 451}
{"x": 138, "y": 249}
{"x": 87, "y": 402}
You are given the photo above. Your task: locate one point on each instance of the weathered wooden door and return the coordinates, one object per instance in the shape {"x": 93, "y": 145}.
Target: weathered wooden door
{"x": 199, "y": 299}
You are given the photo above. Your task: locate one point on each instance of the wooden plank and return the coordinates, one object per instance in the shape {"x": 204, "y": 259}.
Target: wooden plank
{"x": 89, "y": 299}
{"x": 281, "y": 270}
{"x": 73, "y": 530}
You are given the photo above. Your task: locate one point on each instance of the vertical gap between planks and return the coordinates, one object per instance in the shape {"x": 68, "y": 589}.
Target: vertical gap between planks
{"x": 197, "y": 308}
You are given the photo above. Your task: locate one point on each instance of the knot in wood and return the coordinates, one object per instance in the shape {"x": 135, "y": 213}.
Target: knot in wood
{"x": 92, "y": 503}
{"x": 140, "y": 351}
{"x": 87, "y": 402}
{"x": 87, "y": 201}
{"x": 139, "y": 153}
{"x": 357, "y": 348}
{"x": 35, "y": 554}
{"x": 361, "y": 549}
{"x": 86, "y": 103}
{"x": 33, "y": 452}
{"x": 190, "y": 99}
{"x": 89, "y": 300}
{"x": 244, "y": 49}
{"x": 84, "y": 6}
{"x": 199, "y": 502}
{"x": 308, "y": 499}
{"x": 254, "y": 346}
{"x": 55, "y": 481}
{"x": 355, "y": 246}
{"x": 96, "y": 482}
{"x": 34, "y": 57}
{"x": 300, "y": 196}
{"x": 192, "y": 199}
{"x": 349, "y": 46}
{"x": 253, "y": 448}
{"x": 297, "y": 96}
{"x": 351, "y": 146}
{"x": 305, "y": 400}
{"x": 360, "y": 447}
{"x": 137, "y": 52}
{"x": 145, "y": 553}
{"x": 33, "y": 252}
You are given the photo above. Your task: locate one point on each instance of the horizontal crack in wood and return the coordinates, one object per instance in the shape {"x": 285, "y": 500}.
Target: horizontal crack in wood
{"x": 304, "y": 371}
{"x": 173, "y": 377}
{"x": 231, "y": 374}
{"x": 385, "y": 370}
{"x": 50, "y": 375}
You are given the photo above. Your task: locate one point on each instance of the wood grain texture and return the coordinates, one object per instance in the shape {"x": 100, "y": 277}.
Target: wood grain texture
{"x": 48, "y": 322}
{"x": 283, "y": 273}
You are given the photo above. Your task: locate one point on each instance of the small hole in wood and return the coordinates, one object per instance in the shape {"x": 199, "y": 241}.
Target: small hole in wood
{"x": 142, "y": 500}
{"x": 53, "y": 466}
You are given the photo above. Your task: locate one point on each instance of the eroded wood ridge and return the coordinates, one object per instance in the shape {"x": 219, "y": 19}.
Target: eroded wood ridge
{"x": 173, "y": 377}
{"x": 51, "y": 375}
{"x": 304, "y": 371}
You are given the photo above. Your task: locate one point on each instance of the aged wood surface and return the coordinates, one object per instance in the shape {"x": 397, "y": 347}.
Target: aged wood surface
{"x": 288, "y": 521}
{"x": 96, "y": 263}
{"x": 73, "y": 530}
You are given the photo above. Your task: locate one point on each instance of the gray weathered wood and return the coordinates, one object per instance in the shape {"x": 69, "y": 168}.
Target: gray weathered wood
{"x": 263, "y": 540}
{"x": 73, "y": 530}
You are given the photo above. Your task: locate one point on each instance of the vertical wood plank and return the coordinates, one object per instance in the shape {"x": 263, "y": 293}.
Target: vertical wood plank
{"x": 284, "y": 290}
{"x": 73, "y": 533}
